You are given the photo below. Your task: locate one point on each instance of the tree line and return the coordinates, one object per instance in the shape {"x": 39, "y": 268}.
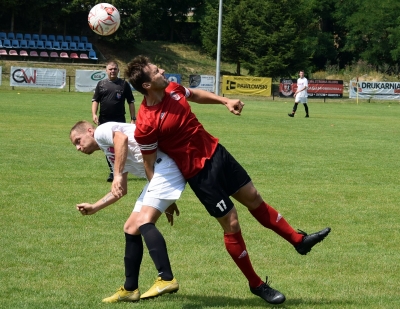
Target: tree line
{"x": 266, "y": 37}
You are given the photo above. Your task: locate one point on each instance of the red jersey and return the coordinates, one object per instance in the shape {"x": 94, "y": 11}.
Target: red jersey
{"x": 172, "y": 127}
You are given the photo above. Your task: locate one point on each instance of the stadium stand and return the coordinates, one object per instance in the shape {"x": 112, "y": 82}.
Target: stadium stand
{"x": 6, "y": 43}
{"x": 81, "y": 47}
{"x": 23, "y": 52}
{"x": 48, "y": 45}
{"x": 23, "y": 44}
{"x": 15, "y": 44}
{"x": 64, "y": 55}
{"x": 88, "y": 46}
{"x": 65, "y": 46}
{"x": 40, "y": 45}
{"x": 33, "y": 53}
{"x": 72, "y": 46}
{"x": 31, "y": 44}
{"x": 92, "y": 55}
{"x": 55, "y": 47}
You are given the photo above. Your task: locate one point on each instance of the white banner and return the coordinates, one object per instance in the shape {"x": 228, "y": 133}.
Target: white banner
{"x": 205, "y": 82}
{"x": 37, "y": 77}
{"x": 374, "y": 90}
{"x": 86, "y": 80}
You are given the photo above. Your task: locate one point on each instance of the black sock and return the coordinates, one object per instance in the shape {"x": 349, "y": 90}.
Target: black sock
{"x": 295, "y": 107}
{"x": 155, "y": 242}
{"x": 133, "y": 259}
{"x": 306, "y": 108}
{"x": 109, "y": 165}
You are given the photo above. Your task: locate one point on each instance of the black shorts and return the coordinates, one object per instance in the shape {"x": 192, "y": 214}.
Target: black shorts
{"x": 220, "y": 177}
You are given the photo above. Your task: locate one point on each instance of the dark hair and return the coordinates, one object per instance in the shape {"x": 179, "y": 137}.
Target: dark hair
{"x": 136, "y": 74}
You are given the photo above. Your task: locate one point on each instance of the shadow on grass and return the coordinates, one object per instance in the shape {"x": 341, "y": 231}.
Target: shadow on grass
{"x": 196, "y": 302}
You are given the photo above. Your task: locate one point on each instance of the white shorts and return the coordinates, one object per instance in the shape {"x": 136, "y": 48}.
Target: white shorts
{"x": 165, "y": 187}
{"x": 300, "y": 99}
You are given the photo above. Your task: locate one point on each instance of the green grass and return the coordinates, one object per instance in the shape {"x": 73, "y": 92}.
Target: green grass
{"x": 339, "y": 168}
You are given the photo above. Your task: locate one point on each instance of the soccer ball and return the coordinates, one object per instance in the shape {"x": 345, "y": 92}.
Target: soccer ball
{"x": 104, "y": 19}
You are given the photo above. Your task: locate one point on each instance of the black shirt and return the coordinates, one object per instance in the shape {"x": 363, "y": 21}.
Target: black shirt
{"x": 111, "y": 95}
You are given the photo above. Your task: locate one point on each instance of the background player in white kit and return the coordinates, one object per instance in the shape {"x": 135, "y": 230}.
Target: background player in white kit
{"x": 301, "y": 94}
{"x": 159, "y": 195}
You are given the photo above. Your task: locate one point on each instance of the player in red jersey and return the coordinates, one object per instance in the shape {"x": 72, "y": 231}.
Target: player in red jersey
{"x": 165, "y": 121}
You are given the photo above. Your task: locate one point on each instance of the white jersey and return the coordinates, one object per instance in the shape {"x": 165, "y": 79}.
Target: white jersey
{"x": 167, "y": 182}
{"x": 104, "y": 138}
{"x": 301, "y": 83}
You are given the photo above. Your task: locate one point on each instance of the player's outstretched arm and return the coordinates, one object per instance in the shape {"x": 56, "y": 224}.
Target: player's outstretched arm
{"x": 90, "y": 209}
{"x": 235, "y": 106}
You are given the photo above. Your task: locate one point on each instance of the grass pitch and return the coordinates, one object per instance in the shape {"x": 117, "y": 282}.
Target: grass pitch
{"x": 339, "y": 168}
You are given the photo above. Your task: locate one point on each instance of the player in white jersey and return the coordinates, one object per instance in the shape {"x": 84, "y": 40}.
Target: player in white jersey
{"x": 117, "y": 141}
{"x": 300, "y": 94}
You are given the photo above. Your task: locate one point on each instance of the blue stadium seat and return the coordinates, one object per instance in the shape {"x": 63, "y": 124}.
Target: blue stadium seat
{"x": 19, "y": 36}
{"x": 7, "y": 43}
{"x": 1, "y": 43}
{"x": 15, "y": 44}
{"x": 3, "y": 35}
{"x": 40, "y": 45}
{"x": 68, "y": 39}
{"x": 84, "y": 39}
{"x": 88, "y": 46}
{"x": 76, "y": 39}
{"x": 92, "y": 55}
{"x": 60, "y": 38}
{"x": 48, "y": 45}
{"x": 81, "y": 46}
{"x": 51, "y": 38}
{"x": 23, "y": 44}
{"x": 31, "y": 44}
{"x": 56, "y": 45}
{"x": 72, "y": 46}
{"x": 43, "y": 37}
{"x": 11, "y": 36}
{"x": 27, "y": 36}
{"x": 35, "y": 37}
{"x": 65, "y": 46}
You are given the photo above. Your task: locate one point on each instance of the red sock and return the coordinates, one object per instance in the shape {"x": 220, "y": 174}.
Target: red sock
{"x": 273, "y": 220}
{"x": 236, "y": 247}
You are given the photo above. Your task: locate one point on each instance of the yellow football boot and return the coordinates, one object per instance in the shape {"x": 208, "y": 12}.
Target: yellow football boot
{"x": 161, "y": 287}
{"x": 123, "y": 295}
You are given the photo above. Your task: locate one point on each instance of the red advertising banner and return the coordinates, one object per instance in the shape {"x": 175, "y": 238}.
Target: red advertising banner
{"x": 317, "y": 88}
